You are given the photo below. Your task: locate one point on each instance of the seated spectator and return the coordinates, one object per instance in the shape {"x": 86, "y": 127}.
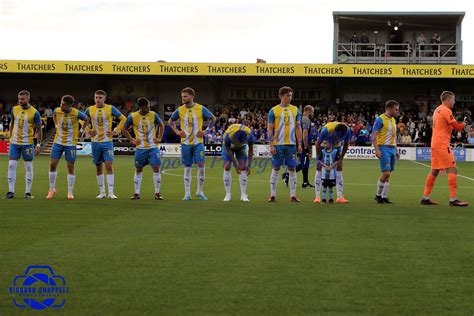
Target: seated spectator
{"x": 470, "y": 139}
{"x": 406, "y": 138}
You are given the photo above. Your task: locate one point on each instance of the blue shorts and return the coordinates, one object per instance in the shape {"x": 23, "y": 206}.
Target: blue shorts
{"x": 69, "y": 151}
{"x": 388, "y": 158}
{"x": 285, "y": 155}
{"x": 147, "y": 156}
{"x": 25, "y": 151}
{"x": 102, "y": 152}
{"x": 192, "y": 154}
{"x": 240, "y": 154}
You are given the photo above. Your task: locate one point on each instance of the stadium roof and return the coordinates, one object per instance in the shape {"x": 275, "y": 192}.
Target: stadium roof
{"x": 414, "y": 20}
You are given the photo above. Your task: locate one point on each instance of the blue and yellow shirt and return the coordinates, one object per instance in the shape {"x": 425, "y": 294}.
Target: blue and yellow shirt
{"x": 144, "y": 127}
{"x": 24, "y": 121}
{"x": 191, "y": 121}
{"x": 387, "y": 128}
{"x": 328, "y": 133}
{"x": 67, "y": 126}
{"x": 232, "y": 136}
{"x": 102, "y": 120}
{"x": 285, "y": 119}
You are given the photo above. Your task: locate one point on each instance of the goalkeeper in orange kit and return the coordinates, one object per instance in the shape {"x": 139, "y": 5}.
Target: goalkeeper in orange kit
{"x": 442, "y": 156}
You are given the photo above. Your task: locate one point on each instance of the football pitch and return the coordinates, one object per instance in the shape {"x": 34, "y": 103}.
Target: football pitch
{"x": 210, "y": 257}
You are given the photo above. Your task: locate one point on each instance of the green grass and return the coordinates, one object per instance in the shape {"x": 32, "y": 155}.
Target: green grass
{"x": 175, "y": 257}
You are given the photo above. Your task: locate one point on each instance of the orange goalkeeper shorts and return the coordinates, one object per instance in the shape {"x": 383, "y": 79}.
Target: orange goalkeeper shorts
{"x": 442, "y": 158}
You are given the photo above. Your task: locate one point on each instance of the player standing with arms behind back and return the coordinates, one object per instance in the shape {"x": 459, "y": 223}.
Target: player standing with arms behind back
{"x": 442, "y": 156}
{"x": 285, "y": 138}
{"x": 384, "y": 139}
{"x": 101, "y": 116}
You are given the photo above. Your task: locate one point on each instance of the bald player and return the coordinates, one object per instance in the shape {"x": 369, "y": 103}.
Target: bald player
{"x": 442, "y": 156}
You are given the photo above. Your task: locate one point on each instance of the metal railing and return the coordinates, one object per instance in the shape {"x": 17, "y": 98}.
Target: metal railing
{"x": 353, "y": 53}
{"x": 437, "y": 52}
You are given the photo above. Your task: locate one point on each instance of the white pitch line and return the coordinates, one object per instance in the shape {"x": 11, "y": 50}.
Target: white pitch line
{"x": 426, "y": 165}
{"x": 166, "y": 171}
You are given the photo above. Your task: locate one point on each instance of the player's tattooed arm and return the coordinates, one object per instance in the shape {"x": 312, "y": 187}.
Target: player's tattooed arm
{"x": 122, "y": 118}
{"x": 172, "y": 125}
{"x": 83, "y": 129}
{"x": 127, "y": 134}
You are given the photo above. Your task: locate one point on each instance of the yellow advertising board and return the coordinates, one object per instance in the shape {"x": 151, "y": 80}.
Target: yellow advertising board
{"x": 218, "y": 69}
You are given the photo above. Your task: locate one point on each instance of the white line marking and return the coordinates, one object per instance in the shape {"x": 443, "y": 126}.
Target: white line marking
{"x": 166, "y": 171}
{"x": 426, "y": 165}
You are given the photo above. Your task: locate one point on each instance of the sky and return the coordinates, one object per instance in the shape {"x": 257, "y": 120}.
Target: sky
{"x": 190, "y": 31}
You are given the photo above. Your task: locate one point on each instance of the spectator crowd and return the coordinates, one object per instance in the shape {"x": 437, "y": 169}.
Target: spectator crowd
{"x": 414, "y": 126}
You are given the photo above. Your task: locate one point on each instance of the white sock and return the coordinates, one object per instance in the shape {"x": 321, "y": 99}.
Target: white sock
{"x": 292, "y": 182}
{"x": 137, "y": 181}
{"x": 28, "y": 176}
{"x": 187, "y": 180}
{"x": 274, "y": 182}
{"x": 100, "y": 182}
{"x": 71, "y": 179}
{"x": 12, "y": 164}
{"x": 110, "y": 183}
{"x": 157, "y": 181}
{"x": 243, "y": 183}
{"x": 385, "y": 189}
{"x": 339, "y": 184}
{"x": 200, "y": 177}
{"x": 52, "y": 180}
{"x": 227, "y": 181}
{"x": 317, "y": 183}
{"x": 380, "y": 186}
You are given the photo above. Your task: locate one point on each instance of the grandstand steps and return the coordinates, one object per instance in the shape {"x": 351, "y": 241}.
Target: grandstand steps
{"x": 48, "y": 141}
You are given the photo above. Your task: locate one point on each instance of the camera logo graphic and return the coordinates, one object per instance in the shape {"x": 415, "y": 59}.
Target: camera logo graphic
{"x": 39, "y": 288}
